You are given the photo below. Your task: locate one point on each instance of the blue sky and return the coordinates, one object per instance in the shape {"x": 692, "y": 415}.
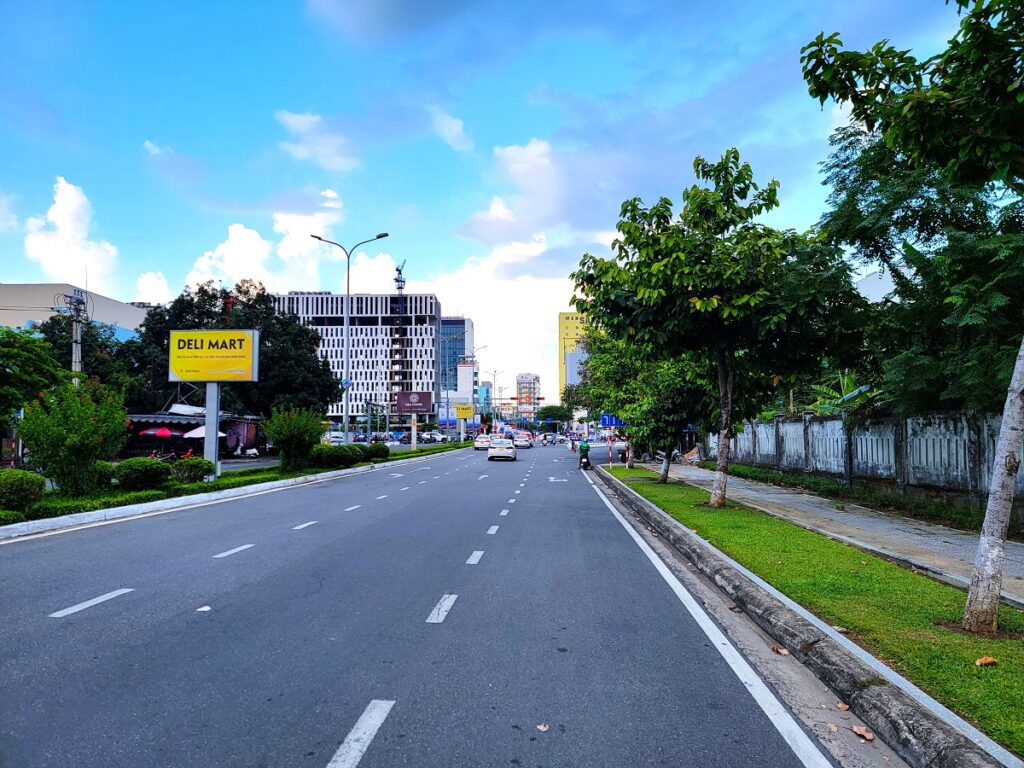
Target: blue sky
{"x": 154, "y": 144}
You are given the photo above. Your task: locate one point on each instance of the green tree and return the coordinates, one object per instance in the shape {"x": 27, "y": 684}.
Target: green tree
{"x": 292, "y": 372}
{"x": 27, "y": 368}
{"x": 573, "y": 399}
{"x": 559, "y": 414}
{"x": 962, "y": 110}
{"x": 69, "y": 428}
{"x": 750, "y": 305}
{"x": 294, "y": 431}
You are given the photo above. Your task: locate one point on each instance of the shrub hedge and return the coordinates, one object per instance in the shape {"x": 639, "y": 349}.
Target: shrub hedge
{"x": 141, "y": 474}
{"x": 191, "y": 470}
{"x": 19, "y": 489}
{"x": 8, "y": 516}
{"x": 56, "y": 506}
{"x": 104, "y": 474}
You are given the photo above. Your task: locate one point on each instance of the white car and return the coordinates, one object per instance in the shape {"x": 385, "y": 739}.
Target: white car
{"x": 522, "y": 441}
{"x": 501, "y": 448}
{"x": 482, "y": 443}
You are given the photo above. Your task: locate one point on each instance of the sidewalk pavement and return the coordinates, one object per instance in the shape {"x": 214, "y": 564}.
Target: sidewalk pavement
{"x": 944, "y": 553}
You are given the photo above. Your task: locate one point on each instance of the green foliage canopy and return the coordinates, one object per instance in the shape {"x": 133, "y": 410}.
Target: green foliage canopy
{"x": 27, "y": 368}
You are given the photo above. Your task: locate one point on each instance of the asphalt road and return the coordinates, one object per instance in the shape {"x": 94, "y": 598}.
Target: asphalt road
{"x": 452, "y": 612}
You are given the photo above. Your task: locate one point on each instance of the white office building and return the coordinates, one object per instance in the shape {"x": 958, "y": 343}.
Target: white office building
{"x": 528, "y": 394}
{"x": 394, "y": 344}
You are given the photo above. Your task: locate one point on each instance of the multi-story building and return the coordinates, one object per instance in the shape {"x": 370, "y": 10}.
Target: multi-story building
{"x": 485, "y": 389}
{"x": 394, "y": 344}
{"x": 456, "y": 342}
{"x": 570, "y": 355}
{"x": 528, "y": 394}
{"x": 22, "y": 304}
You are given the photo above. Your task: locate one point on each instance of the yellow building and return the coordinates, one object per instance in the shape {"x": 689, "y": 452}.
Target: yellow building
{"x": 570, "y": 331}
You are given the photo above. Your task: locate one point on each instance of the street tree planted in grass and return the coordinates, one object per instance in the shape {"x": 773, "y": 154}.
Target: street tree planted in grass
{"x": 750, "y": 305}
{"x": 961, "y": 109}
{"x": 69, "y": 429}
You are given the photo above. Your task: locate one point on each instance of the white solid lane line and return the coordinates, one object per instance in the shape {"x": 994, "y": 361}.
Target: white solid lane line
{"x": 235, "y": 550}
{"x": 354, "y": 506}
{"x": 441, "y": 609}
{"x": 304, "y": 525}
{"x": 90, "y": 603}
{"x": 503, "y": 513}
{"x": 475, "y": 557}
{"x": 382, "y": 496}
{"x": 805, "y": 749}
{"x": 492, "y": 530}
{"x": 359, "y": 738}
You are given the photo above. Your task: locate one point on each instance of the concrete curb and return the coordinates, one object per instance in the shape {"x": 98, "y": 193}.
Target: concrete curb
{"x": 29, "y": 527}
{"x": 914, "y": 731}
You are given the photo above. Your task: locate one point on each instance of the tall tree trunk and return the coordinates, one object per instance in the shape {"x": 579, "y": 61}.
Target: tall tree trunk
{"x": 725, "y": 384}
{"x": 981, "y": 612}
{"x": 630, "y": 455}
{"x": 665, "y": 462}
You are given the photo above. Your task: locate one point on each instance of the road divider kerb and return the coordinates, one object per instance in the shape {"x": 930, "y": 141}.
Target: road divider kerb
{"x": 15, "y": 531}
{"x": 918, "y": 728}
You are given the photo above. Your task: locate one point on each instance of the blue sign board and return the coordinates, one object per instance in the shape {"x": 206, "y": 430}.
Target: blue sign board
{"x": 611, "y": 420}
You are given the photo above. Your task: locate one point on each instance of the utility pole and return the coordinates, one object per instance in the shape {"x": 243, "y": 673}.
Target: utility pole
{"x": 74, "y": 305}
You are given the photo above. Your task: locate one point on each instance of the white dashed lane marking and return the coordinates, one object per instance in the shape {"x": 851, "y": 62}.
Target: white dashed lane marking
{"x": 354, "y": 506}
{"x": 304, "y": 525}
{"x": 441, "y": 609}
{"x": 492, "y": 530}
{"x": 382, "y": 496}
{"x": 236, "y": 550}
{"x": 475, "y": 557}
{"x": 503, "y": 513}
{"x": 90, "y": 603}
{"x": 360, "y": 737}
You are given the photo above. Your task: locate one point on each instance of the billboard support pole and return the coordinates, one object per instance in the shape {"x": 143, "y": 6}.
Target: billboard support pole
{"x": 212, "y": 426}
{"x": 412, "y": 443}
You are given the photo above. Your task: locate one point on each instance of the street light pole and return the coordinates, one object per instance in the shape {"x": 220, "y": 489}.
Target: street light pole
{"x": 346, "y": 381}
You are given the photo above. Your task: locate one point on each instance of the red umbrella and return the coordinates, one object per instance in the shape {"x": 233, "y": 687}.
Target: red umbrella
{"x": 161, "y": 432}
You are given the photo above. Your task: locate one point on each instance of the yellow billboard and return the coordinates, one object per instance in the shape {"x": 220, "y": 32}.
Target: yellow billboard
{"x": 214, "y": 356}
{"x": 463, "y": 411}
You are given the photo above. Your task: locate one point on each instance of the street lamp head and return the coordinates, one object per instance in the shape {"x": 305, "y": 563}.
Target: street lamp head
{"x": 317, "y": 237}
{"x": 381, "y": 236}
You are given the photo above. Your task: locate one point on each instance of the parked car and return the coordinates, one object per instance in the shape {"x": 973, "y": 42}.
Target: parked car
{"x": 482, "y": 443}
{"x": 501, "y": 448}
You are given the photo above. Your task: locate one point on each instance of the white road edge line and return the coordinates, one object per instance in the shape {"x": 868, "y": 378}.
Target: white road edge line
{"x": 492, "y": 530}
{"x": 354, "y": 506}
{"x": 441, "y": 609}
{"x": 794, "y": 736}
{"x": 304, "y": 525}
{"x": 359, "y": 738}
{"x": 90, "y": 603}
{"x": 475, "y": 557}
{"x": 235, "y": 550}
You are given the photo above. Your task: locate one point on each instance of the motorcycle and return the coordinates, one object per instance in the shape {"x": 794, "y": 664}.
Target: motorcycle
{"x": 585, "y": 462}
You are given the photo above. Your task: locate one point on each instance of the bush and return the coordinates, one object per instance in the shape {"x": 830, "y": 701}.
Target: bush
{"x": 295, "y": 431}
{"x": 19, "y": 489}
{"x": 57, "y": 506}
{"x": 8, "y": 516}
{"x": 378, "y": 450}
{"x": 141, "y": 473}
{"x": 104, "y": 474}
{"x": 191, "y": 470}
{"x": 68, "y": 428}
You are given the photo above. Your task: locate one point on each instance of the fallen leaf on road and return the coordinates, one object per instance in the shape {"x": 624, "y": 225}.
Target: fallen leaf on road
{"x": 842, "y": 707}
{"x": 780, "y": 650}
{"x": 864, "y": 733}
{"x": 985, "y": 661}
{"x": 543, "y": 727}
{"x": 832, "y": 728}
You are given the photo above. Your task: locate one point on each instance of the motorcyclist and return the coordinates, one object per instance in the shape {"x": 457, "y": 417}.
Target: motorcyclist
{"x": 584, "y": 450}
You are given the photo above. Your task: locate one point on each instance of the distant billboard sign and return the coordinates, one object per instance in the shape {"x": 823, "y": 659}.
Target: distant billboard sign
{"x": 415, "y": 402}
{"x": 232, "y": 355}
{"x": 464, "y": 411}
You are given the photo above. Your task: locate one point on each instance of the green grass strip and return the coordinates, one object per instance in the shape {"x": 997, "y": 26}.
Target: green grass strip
{"x": 894, "y": 613}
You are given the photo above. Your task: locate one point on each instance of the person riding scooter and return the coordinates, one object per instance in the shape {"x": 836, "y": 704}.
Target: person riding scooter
{"x": 584, "y": 454}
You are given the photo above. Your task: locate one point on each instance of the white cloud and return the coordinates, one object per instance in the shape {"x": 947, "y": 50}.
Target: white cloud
{"x": 315, "y": 142}
{"x": 152, "y": 287}
{"x": 8, "y": 219}
{"x": 155, "y": 149}
{"x": 451, "y": 130}
{"x": 536, "y": 203}
{"x": 59, "y": 241}
{"x": 291, "y": 263}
